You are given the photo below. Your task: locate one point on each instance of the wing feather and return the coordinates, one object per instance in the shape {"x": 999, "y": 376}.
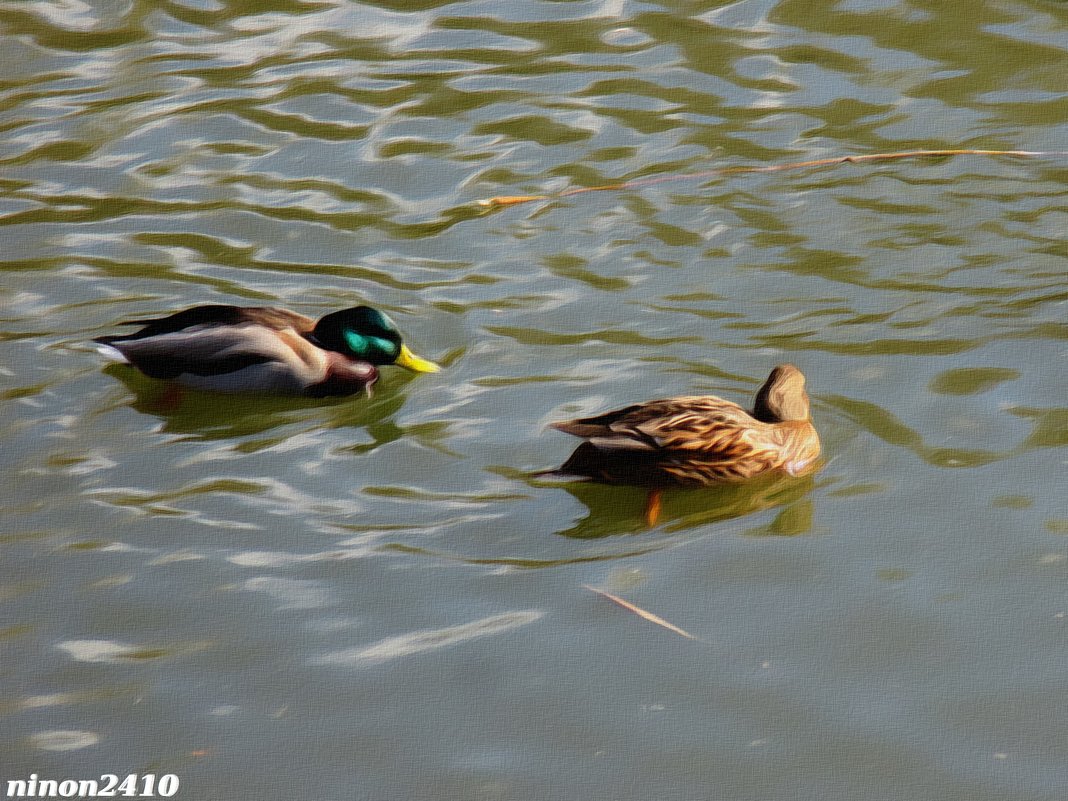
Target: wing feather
{"x": 204, "y": 355}
{"x": 692, "y": 440}
{"x": 214, "y": 315}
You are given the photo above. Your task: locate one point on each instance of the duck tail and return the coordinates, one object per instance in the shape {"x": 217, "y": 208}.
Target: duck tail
{"x": 109, "y": 351}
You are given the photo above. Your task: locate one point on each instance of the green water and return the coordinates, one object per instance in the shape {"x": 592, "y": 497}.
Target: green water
{"x": 377, "y": 598}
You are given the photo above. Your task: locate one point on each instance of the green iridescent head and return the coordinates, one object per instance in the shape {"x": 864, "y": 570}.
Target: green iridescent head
{"x": 369, "y": 335}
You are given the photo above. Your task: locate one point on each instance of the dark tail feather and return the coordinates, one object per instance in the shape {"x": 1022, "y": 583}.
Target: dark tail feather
{"x": 554, "y": 472}
{"x": 584, "y": 462}
{"x": 587, "y": 460}
{"x": 612, "y": 466}
{"x": 107, "y": 340}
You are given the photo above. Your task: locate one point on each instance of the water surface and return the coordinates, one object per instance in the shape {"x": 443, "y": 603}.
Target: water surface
{"x": 377, "y": 598}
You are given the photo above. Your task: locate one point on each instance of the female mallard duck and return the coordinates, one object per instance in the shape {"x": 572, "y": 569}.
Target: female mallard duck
{"x": 699, "y": 440}
{"x": 268, "y": 350}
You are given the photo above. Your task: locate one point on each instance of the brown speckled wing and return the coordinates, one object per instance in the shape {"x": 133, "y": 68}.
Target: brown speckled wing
{"x": 687, "y": 440}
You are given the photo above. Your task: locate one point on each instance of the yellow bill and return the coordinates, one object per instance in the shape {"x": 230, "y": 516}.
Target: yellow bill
{"x": 417, "y": 364}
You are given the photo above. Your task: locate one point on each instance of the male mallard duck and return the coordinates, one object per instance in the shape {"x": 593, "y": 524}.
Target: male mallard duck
{"x": 699, "y": 440}
{"x": 268, "y": 350}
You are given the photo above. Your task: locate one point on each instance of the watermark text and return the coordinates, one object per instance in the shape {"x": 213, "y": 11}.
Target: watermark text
{"x": 146, "y": 785}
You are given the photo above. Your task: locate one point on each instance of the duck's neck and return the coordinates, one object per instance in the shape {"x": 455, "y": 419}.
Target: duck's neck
{"x": 777, "y": 404}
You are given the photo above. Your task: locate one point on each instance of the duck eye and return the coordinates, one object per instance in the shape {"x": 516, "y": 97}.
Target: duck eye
{"x": 377, "y": 350}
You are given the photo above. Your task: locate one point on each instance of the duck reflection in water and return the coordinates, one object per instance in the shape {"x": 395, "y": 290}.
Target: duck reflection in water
{"x": 615, "y": 510}
{"x": 209, "y": 416}
{"x": 698, "y": 441}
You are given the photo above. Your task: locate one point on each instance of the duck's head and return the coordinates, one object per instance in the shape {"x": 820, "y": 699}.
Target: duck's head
{"x": 368, "y": 334}
{"x": 782, "y": 397}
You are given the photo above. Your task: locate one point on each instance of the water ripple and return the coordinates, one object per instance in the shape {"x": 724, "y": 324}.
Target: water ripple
{"x": 417, "y": 642}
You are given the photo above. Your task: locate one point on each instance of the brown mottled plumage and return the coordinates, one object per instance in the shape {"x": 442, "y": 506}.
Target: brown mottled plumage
{"x": 699, "y": 440}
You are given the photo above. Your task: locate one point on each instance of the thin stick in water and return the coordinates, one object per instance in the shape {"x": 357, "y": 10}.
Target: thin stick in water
{"x": 640, "y": 612}
{"x": 512, "y": 200}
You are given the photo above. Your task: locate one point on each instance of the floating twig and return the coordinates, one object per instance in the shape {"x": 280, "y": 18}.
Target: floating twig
{"x": 513, "y": 200}
{"x": 640, "y": 612}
